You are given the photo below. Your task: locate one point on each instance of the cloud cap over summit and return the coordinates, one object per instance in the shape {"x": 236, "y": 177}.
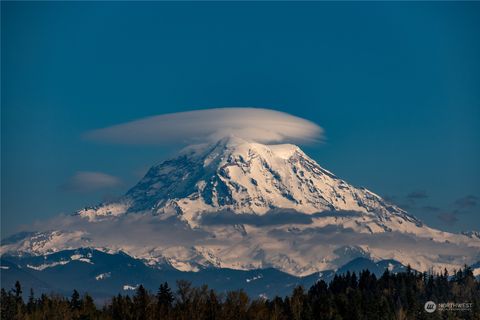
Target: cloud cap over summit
{"x": 254, "y": 124}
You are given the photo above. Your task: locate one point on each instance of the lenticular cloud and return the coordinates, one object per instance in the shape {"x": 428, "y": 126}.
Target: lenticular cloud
{"x": 260, "y": 125}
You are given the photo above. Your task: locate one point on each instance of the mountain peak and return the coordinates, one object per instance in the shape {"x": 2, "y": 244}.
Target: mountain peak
{"x": 242, "y": 176}
{"x": 236, "y": 145}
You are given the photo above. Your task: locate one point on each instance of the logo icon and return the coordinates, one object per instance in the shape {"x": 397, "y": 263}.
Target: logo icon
{"x": 430, "y": 306}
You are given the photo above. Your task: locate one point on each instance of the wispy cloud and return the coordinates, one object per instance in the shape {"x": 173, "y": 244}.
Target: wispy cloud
{"x": 88, "y": 181}
{"x": 147, "y": 235}
{"x": 261, "y": 125}
{"x": 466, "y": 202}
{"x": 430, "y": 209}
{"x": 127, "y": 231}
{"x": 417, "y": 195}
{"x": 272, "y": 218}
{"x": 448, "y": 218}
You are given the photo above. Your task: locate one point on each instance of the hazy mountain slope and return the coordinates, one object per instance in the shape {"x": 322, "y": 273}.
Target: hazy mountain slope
{"x": 105, "y": 275}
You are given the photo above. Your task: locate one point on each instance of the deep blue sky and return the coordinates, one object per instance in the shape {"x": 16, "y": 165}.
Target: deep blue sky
{"x": 395, "y": 86}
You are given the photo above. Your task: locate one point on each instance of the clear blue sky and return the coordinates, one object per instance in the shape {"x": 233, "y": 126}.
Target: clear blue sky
{"x": 396, "y": 86}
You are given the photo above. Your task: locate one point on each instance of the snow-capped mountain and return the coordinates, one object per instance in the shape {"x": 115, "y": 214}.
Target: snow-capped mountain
{"x": 244, "y": 205}
{"x": 244, "y": 177}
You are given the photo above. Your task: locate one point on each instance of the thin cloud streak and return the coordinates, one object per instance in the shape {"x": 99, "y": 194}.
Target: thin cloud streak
{"x": 417, "y": 195}
{"x": 88, "y": 181}
{"x": 467, "y": 202}
{"x": 448, "y": 218}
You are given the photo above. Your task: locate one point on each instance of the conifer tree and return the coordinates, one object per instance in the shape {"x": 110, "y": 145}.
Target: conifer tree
{"x": 75, "y": 302}
{"x": 165, "y": 299}
{"x": 141, "y": 303}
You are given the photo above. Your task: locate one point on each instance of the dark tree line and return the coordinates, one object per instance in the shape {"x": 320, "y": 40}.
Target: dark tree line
{"x": 392, "y": 296}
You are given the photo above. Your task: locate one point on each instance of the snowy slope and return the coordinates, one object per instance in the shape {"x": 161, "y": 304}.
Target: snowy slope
{"x": 243, "y": 205}
{"x": 244, "y": 177}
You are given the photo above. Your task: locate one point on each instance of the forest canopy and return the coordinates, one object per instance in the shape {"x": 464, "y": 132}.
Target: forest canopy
{"x": 348, "y": 296}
